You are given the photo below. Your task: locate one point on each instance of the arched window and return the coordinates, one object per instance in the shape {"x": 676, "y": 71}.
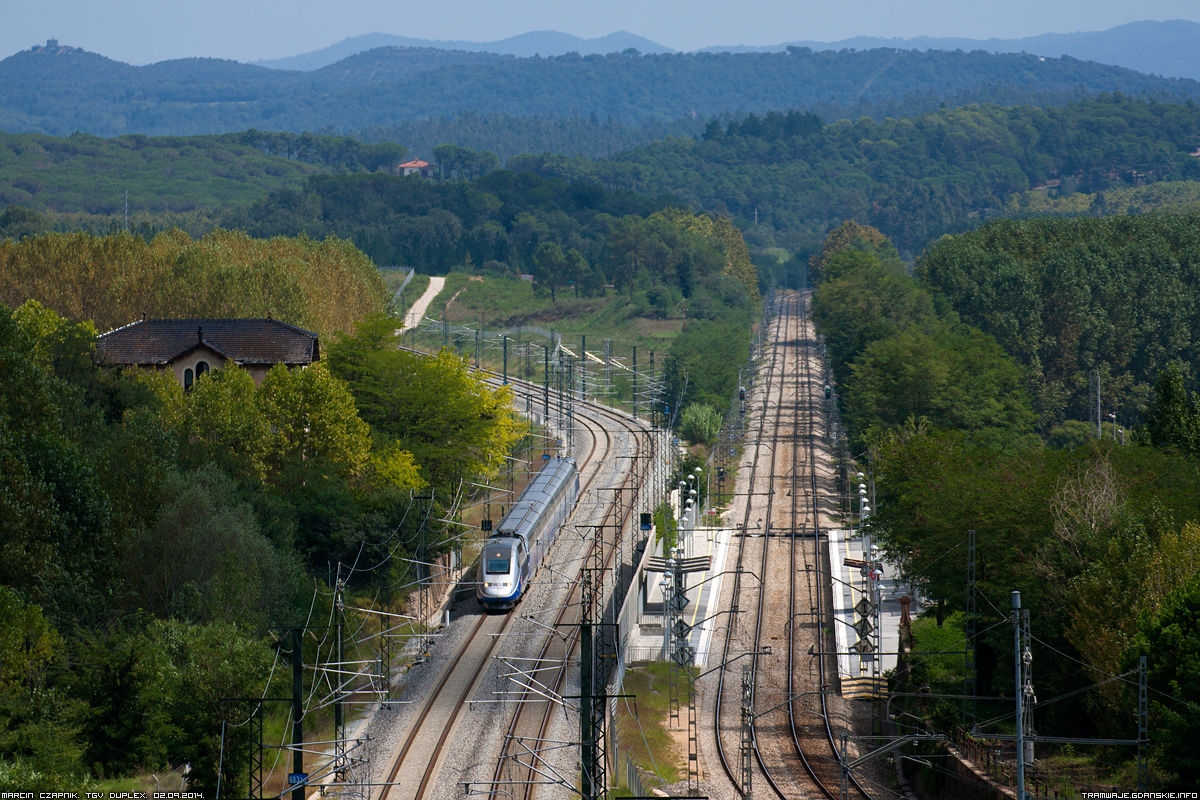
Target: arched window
{"x": 201, "y": 368}
{"x": 187, "y": 379}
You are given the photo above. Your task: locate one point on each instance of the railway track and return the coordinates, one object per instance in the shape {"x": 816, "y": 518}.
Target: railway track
{"x": 519, "y": 770}
{"x": 792, "y": 738}
{"x": 416, "y": 762}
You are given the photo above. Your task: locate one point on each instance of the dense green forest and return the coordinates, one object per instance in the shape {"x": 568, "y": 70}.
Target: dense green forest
{"x": 499, "y": 220}
{"x": 509, "y": 135}
{"x": 87, "y": 173}
{"x": 786, "y": 178}
{"x": 59, "y": 93}
{"x": 914, "y": 179}
{"x": 1101, "y": 537}
{"x": 149, "y": 537}
{"x": 1066, "y": 296}
{"x": 322, "y": 286}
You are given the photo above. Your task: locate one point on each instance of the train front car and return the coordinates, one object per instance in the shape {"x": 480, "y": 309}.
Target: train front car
{"x": 499, "y": 582}
{"x": 525, "y": 534}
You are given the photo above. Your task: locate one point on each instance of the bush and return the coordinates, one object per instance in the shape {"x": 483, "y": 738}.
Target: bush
{"x": 700, "y": 423}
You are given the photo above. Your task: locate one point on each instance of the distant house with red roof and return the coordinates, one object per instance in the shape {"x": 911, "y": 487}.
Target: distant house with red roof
{"x": 422, "y": 168}
{"x": 191, "y": 347}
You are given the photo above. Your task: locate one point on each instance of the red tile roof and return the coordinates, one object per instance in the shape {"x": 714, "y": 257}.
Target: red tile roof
{"x": 418, "y": 164}
{"x": 158, "y": 342}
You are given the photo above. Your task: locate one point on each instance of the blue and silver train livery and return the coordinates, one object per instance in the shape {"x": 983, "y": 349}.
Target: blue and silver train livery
{"x": 512, "y": 554}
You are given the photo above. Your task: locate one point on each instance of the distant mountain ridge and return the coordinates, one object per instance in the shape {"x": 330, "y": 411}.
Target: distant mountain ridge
{"x": 543, "y": 43}
{"x": 1167, "y": 48}
{"x": 1158, "y": 48}
{"x": 377, "y": 90}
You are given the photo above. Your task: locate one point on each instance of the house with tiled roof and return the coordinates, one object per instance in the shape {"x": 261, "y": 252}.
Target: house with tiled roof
{"x": 419, "y": 167}
{"x": 191, "y": 347}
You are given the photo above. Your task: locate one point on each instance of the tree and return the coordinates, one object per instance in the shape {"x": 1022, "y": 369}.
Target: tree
{"x": 861, "y": 301}
{"x": 28, "y": 643}
{"x": 208, "y": 664}
{"x": 1170, "y": 640}
{"x": 700, "y": 423}
{"x": 848, "y": 235}
{"x": 549, "y": 267}
{"x": 577, "y": 272}
{"x": 223, "y": 422}
{"x": 453, "y": 423}
{"x": 312, "y": 416}
{"x": 205, "y": 559}
{"x": 629, "y": 241}
{"x": 465, "y": 162}
{"x": 955, "y": 378}
{"x": 1173, "y": 415}
{"x": 709, "y": 353}
{"x": 382, "y": 156}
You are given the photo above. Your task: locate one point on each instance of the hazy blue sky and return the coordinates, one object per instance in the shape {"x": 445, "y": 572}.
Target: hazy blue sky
{"x": 142, "y": 31}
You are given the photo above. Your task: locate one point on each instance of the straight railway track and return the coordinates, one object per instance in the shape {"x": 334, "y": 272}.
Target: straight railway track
{"x": 792, "y": 738}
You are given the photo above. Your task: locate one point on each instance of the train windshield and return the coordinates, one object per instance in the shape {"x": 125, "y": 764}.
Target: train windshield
{"x": 498, "y": 566}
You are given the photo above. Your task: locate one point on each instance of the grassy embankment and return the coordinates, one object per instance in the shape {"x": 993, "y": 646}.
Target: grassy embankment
{"x": 500, "y": 303}
{"x": 644, "y": 732}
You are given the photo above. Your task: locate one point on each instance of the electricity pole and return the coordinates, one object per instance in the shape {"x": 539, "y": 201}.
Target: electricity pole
{"x": 1020, "y": 694}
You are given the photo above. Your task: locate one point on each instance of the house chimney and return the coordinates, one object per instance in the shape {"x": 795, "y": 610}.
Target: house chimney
{"x": 200, "y": 334}
{"x": 268, "y": 316}
{"x": 143, "y": 316}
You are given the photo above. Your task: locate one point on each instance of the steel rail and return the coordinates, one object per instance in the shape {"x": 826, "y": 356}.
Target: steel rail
{"x": 429, "y": 772}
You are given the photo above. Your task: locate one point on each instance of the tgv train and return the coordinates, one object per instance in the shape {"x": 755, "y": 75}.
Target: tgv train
{"x": 512, "y": 554}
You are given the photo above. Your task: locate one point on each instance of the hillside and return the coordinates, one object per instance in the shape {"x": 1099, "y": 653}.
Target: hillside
{"x": 784, "y": 178}
{"x": 90, "y": 174}
{"x": 68, "y": 91}
{"x": 913, "y": 178}
{"x": 525, "y": 45}
{"x": 1159, "y": 48}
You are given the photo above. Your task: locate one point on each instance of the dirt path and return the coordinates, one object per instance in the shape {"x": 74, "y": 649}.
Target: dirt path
{"x": 414, "y": 315}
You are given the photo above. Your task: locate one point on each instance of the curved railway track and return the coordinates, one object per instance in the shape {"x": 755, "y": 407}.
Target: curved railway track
{"x": 813, "y": 745}
{"x": 418, "y": 759}
{"x": 531, "y": 719}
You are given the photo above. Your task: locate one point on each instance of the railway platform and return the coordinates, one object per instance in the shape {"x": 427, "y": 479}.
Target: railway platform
{"x": 703, "y": 591}
{"x": 851, "y": 568}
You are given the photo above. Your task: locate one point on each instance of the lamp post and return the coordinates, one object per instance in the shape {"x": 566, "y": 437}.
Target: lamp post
{"x": 1113, "y": 416}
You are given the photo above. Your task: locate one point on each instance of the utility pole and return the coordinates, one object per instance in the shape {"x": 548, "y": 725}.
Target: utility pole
{"x": 1019, "y": 693}
{"x": 635, "y": 381}
{"x": 505, "y": 374}
{"x": 546, "y": 388}
{"x": 298, "y": 712}
{"x": 1143, "y": 767}
{"x": 969, "y": 665}
{"x": 1029, "y": 700}
{"x": 339, "y": 713}
{"x": 593, "y": 699}
{"x": 583, "y": 368}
